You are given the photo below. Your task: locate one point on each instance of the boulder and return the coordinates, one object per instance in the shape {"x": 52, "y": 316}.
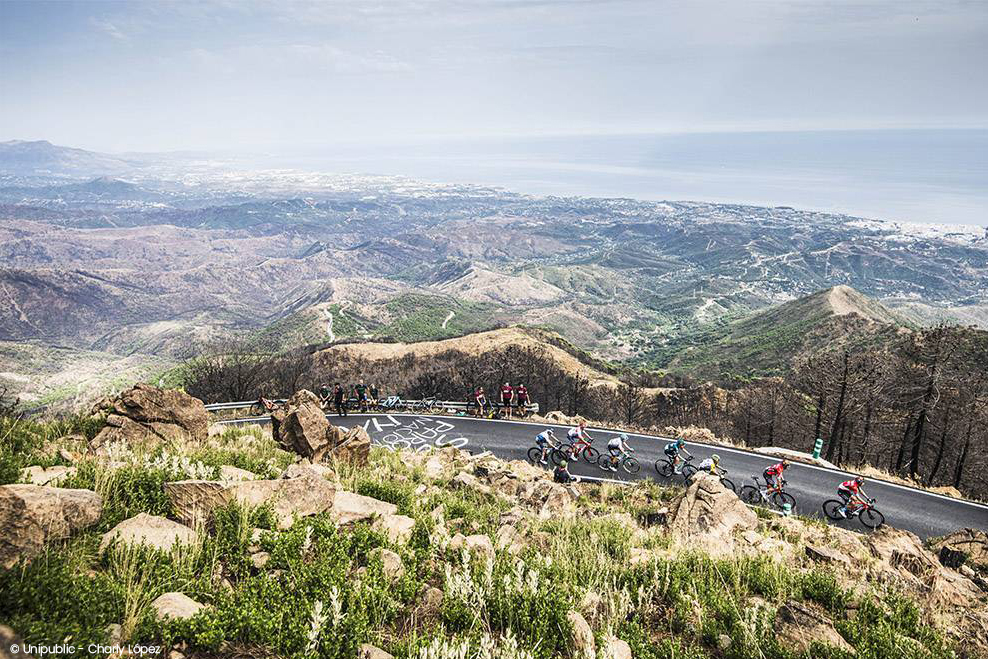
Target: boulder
{"x": 467, "y": 481}
{"x": 391, "y": 562}
{"x": 615, "y": 648}
{"x": 156, "y": 532}
{"x": 430, "y": 605}
{"x": 473, "y": 543}
{"x": 41, "y": 476}
{"x": 9, "y": 637}
{"x": 398, "y": 528}
{"x": 368, "y": 651}
{"x": 801, "y": 626}
{"x": 707, "y": 515}
{"x": 289, "y": 497}
{"x": 302, "y": 426}
{"x": 973, "y": 542}
{"x": 305, "y": 467}
{"x": 822, "y": 554}
{"x": 260, "y": 559}
{"x": 352, "y": 448}
{"x": 581, "y": 640}
{"x": 508, "y": 539}
{"x": 349, "y": 508}
{"x": 33, "y": 515}
{"x": 563, "y": 419}
{"x": 175, "y": 605}
{"x": 231, "y": 473}
{"x": 147, "y": 412}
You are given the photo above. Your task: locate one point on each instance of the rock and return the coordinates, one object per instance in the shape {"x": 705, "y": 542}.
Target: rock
{"x": 393, "y": 567}
{"x": 144, "y": 412}
{"x": 9, "y": 637}
{"x": 430, "y": 604}
{"x": 305, "y": 467}
{"x": 950, "y": 557}
{"x": 465, "y": 481}
{"x": 175, "y": 654}
{"x": 33, "y": 515}
{"x": 707, "y": 515}
{"x": 255, "y": 540}
{"x": 822, "y": 554}
{"x": 508, "y": 539}
{"x": 800, "y": 626}
{"x": 51, "y": 476}
{"x": 368, "y": 651}
{"x": 349, "y": 508}
{"x": 231, "y": 473}
{"x": 591, "y": 605}
{"x": 438, "y": 469}
{"x": 558, "y": 417}
{"x": 260, "y": 559}
{"x": 615, "y": 648}
{"x": 967, "y": 571}
{"x": 216, "y": 429}
{"x": 638, "y": 556}
{"x": 973, "y": 542}
{"x": 155, "y": 532}
{"x": 70, "y": 456}
{"x": 353, "y": 447}
{"x": 398, "y": 528}
{"x": 581, "y": 640}
{"x": 289, "y": 497}
{"x": 480, "y": 544}
{"x": 723, "y": 642}
{"x": 176, "y": 605}
{"x": 301, "y": 426}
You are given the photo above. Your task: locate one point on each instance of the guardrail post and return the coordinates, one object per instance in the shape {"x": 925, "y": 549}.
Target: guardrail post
{"x": 817, "y": 447}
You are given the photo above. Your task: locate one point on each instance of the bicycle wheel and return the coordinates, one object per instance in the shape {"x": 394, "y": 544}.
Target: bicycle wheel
{"x": 663, "y": 468}
{"x": 779, "y": 499}
{"x": 831, "y": 508}
{"x": 631, "y": 465}
{"x": 256, "y": 410}
{"x": 688, "y": 472}
{"x": 591, "y": 455}
{"x": 558, "y": 456}
{"x": 535, "y": 455}
{"x": 604, "y": 461}
{"x": 872, "y": 518}
{"x": 749, "y": 494}
{"x": 726, "y": 482}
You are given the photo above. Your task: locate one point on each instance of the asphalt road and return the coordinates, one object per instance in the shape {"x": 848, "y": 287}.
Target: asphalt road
{"x": 924, "y": 513}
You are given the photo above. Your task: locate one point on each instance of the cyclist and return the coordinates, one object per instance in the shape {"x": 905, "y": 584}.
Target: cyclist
{"x": 480, "y": 400}
{"x": 673, "y": 449}
{"x": 579, "y": 438}
{"x": 546, "y": 440}
{"x": 361, "y": 391}
{"x": 618, "y": 448}
{"x": 521, "y": 394}
{"x": 774, "y": 479}
{"x": 850, "y": 491}
{"x": 561, "y": 474}
{"x": 711, "y": 464}
{"x": 507, "y": 394}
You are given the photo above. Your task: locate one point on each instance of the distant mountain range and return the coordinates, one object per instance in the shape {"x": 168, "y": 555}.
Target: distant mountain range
{"x": 159, "y": 256}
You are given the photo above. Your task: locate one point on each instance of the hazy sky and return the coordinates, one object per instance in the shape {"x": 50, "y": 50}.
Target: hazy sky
{"x": 226, "y": 74}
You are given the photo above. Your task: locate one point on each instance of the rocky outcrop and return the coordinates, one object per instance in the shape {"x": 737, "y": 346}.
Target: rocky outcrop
{"x": 145, "y": 413}
{"x": 391, "y": 563}
{"x": 581, "y": 640}
{"x": 368, "y": 651}
{"x": 801, "y": 626}
{"x": 231, "y": 473}
{"x": 973, "y": 543}
{"x": 398, "y": 528}
{"x": 707, "y": 515}
{"x": 156, "y": 532}
{"x": 195, "y": 500}
{"x": 32, "y": 516}
{"x": 301, "y": 427}
{"x": 36, "y": 475}
{"x": 178, "y": 606}
{"x": 349, "y": 508}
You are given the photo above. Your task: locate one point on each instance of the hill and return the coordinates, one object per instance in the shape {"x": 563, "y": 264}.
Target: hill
{"x": 770, "y": 341}
{"x": 40, "y": 157}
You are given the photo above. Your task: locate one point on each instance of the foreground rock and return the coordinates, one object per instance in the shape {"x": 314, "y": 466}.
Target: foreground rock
{"x": 31, "y": 516}
{"x": 145, "y": 413}
{"x": 349, "y": 508}
{"x": 151, "y": 530}
{"x": 176, "y": 605}
{"x": 8, "y": 638}
{"x": 301, "y": 427}
{"x": 801, "y": 626}
{"x": 305, "y": 495}
{"x": 972, "y": 542}
{"x": 41, "y": 476}
{"x": 707, "y": 515}
{"x": 581, "y": 641}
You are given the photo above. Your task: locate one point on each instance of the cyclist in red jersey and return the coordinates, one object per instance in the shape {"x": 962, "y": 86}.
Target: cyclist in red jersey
{"x": 521, "y": 394}
{"x": 850, "y": 491}
{"x": 771, "y": 474}
{"x": 480, "y": 400}
{"x": 507, "y": 394}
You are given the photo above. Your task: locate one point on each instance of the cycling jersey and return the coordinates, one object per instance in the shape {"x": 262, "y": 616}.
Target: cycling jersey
{"x": 775, "y": 470}
{"x": 506, "y": 393}
{"x": 708, "y": 464}
{"x": 542, "y": 437}
{"x": 577, "y": 433}
{"x": 851, "y": 485}
{"x": 614, "y": 443}
{"x": 672, "y": 448}
{"x": 522, "y": 393}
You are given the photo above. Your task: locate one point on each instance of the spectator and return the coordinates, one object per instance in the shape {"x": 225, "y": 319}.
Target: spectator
{"x": 507, "y": 394}
{"x": 479, "y": 400}
{"x": 361, "y": 391}
{"x": 521, "y": 393}
{"x": 339, "y": 398}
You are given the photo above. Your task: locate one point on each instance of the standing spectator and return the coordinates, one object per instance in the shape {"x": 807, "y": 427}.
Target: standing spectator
{"x": 479, "y": 400}
{"x": 521, "y": 394}
{"x": 361, "y": 391}
{"x": 324, "y": 394}
{"x": 339, "y": 398}
{"x": 507, "y": 394}
{"x": 374, "y": 394}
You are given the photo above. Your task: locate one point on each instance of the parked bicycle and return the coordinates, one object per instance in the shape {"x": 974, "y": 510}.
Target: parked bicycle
{"x": 865, "y": 511}
{"x": 767, "y": 496}
{"x": 264, "y": 406}
{"x": 665, "y": 468}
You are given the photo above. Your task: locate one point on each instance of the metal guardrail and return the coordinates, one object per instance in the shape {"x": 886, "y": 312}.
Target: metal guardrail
{"x": 353, "y": 403}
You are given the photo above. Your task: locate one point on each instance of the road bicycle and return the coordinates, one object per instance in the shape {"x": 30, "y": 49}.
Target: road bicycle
{"x": 689, "y": 471}
{"x": 535, "y": 454}
{"x": 429, "y": 405}
{"x": 625, "y": 461}
{"x": 264, "y": 406}
{"x": 566, "y": 452}
{"x": 391, "y": 404}
{"x": 756, "y": 495}
{"x": 863, "y": 510}
{"x": 663, "y": 466}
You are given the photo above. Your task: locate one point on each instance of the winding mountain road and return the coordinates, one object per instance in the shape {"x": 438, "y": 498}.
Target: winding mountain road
{"x": 924, "y": 513}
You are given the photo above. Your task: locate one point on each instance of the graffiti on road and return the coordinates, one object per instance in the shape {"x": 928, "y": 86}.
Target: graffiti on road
{"x": 416, "y": 434}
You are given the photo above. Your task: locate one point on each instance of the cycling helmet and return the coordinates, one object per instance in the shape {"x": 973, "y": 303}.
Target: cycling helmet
{"x": 563, "y": 464}
{"x": 715, "y": 457}
{"x": 859, "y": 480}
{"x": 624, "y": 437}
{"x": 680, "y": 442}
{"x": 583, "y": 424}
{"x": 785, "y": 463}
